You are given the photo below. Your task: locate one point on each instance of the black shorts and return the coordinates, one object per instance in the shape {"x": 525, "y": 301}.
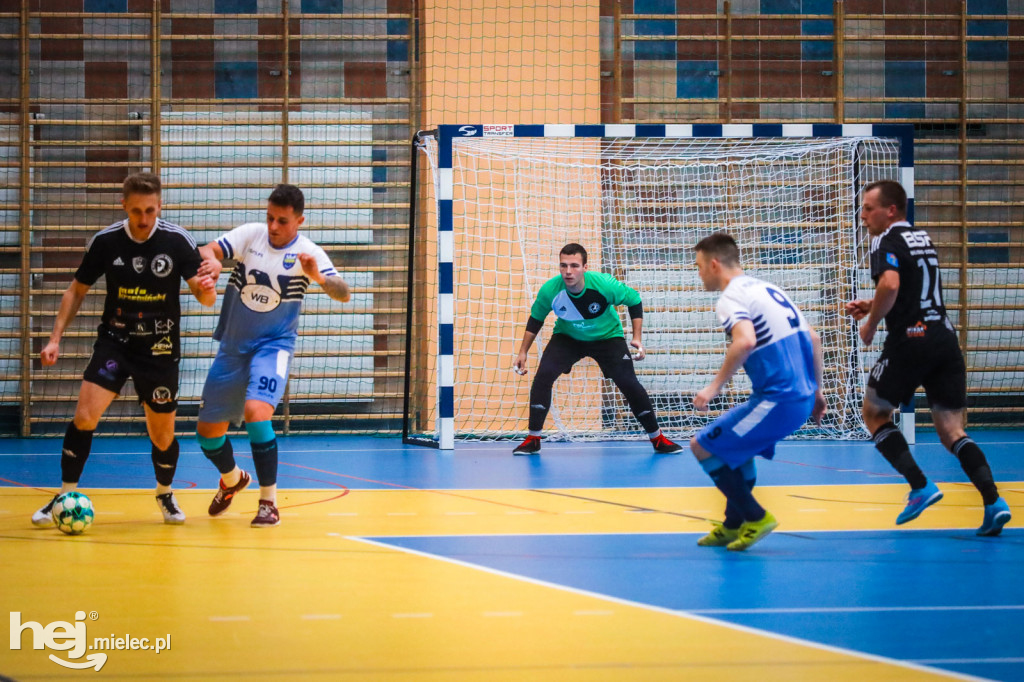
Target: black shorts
{"x": 935, "y": 363}
{"x": 563, "y": 351}
{"x": 155, "y": 378}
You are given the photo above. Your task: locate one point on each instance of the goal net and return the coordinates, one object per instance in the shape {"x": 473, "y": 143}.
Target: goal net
{"x": 639, "y": 205}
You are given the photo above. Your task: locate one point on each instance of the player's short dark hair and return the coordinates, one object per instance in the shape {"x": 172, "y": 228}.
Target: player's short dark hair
{"x": 721, "y": 246}
{"x": 890, "y": 193}
{"x": 141, "y": 183}
{"x": 574, "y": 249}
{"x": 288, "y": 195}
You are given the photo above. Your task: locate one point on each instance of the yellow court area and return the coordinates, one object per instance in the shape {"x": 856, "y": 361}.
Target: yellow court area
{"x": 310, "y": 599}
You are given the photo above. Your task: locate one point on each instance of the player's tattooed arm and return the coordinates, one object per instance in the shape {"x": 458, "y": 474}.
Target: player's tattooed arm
{"x": 336, "y": 288}
{"x": 333, "y": 285}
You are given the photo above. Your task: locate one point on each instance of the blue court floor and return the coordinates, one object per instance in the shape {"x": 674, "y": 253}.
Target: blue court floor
{"x": 934, "y": 596}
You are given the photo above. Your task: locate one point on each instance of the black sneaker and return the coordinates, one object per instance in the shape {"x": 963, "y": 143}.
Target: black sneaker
{"x": 530, "y": 446}
{"x": 222, "y": 500}
{"x": 664, "y": 446}
{"x": 266, "y": 516}
{"x": 44, "y": 517}
{"x": 170, "y": 509}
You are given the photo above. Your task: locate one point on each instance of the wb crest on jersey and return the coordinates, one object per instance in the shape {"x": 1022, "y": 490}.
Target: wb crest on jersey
{"x": 289, "y": 260}
{"x": 256, "y": 290}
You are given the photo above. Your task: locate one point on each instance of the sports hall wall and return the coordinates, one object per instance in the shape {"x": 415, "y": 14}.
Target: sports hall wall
{"x": 224, "y": 98}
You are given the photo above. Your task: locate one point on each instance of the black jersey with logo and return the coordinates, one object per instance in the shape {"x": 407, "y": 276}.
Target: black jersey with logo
{"x": 142, "y": 308}
{"x": 919, "y": 310}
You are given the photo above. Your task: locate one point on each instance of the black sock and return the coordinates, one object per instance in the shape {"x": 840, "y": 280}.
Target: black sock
{"x": 733, "y": 517}
{"x": 165, "y": 463}
{"x": 974, "y": 464}
{"x": 734, "y": 487}
{"x": 74, "y": 453}
{"x": 893, "y": 446}
{"x": 538, "y": 413}
{"x": 223, "y": 457}
{"x": 648, "y": 420}
{"x": 264, "y": 460}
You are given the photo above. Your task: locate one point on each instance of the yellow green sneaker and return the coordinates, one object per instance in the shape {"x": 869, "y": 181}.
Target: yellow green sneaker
{"x": 752, "y": 531}
{"x": 720, "y": 536}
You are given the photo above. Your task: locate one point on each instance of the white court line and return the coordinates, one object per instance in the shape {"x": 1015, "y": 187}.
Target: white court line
{"x": 860, "y": 609}
{"x": 689, "y": 615}
{"x": 228, "y": 619}
{"x": 334, "y": 535}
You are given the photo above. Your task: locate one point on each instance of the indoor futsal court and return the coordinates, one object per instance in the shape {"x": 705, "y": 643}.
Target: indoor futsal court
{"x": 420, "y": 306}
{"x": 397, "y": 562}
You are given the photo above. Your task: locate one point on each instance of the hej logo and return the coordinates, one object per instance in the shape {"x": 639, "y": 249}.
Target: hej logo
{"x": 72, "y": 638}
{"x": 59, "y": 636}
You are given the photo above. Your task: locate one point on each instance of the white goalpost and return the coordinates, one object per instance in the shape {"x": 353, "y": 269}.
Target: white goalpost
{"x": 497, "y": 203}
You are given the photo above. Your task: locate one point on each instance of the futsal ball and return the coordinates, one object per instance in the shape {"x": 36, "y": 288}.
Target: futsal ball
{"x": 73, "y": 512}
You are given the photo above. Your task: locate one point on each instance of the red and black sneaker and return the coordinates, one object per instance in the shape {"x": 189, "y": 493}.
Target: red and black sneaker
{"x": 266, "y": 516}
{"x": 222, "y": 500}
{"x": 530, "y": 446}
{"x": 664, "y": 446}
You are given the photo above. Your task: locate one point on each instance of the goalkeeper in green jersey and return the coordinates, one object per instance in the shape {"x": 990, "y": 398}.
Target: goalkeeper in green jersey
{"x": 587, "y": 326}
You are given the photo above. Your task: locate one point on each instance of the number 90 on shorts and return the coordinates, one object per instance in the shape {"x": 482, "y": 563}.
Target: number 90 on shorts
{"x": 235, "y": 378}
{"x": 268, "y": 376}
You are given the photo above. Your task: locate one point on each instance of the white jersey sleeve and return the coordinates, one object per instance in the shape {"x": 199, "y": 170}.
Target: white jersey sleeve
{"x": 235, "y": 242}
{"x": 730, "y": 310}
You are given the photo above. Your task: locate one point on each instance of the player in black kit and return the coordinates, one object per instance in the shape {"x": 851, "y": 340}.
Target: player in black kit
{"x": 920, "y": 349}
{"x": 144, "y": 259}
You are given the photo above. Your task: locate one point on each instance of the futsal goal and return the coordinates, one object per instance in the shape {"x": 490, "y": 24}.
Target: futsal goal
{"x": 495, "y": 204}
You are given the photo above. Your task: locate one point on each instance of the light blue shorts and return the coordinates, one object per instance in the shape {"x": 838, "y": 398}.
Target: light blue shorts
{"x": 753, "y": 428}
{"x": 235, "y": 378}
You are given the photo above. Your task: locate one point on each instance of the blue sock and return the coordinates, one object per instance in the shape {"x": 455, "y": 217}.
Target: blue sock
{"x": 734, "y": 487}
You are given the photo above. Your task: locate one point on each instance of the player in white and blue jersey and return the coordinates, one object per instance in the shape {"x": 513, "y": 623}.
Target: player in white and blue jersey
{"x": 257, "y": 331}
{"x": 781, "y": 355}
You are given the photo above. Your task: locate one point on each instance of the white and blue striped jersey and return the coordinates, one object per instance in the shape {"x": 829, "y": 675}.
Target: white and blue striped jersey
{"x": 782, "y": 363}
{"x": 264, "y": 294}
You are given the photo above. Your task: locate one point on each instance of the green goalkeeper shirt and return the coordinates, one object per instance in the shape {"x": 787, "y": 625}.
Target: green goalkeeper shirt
{"x": 589, "y": 315}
